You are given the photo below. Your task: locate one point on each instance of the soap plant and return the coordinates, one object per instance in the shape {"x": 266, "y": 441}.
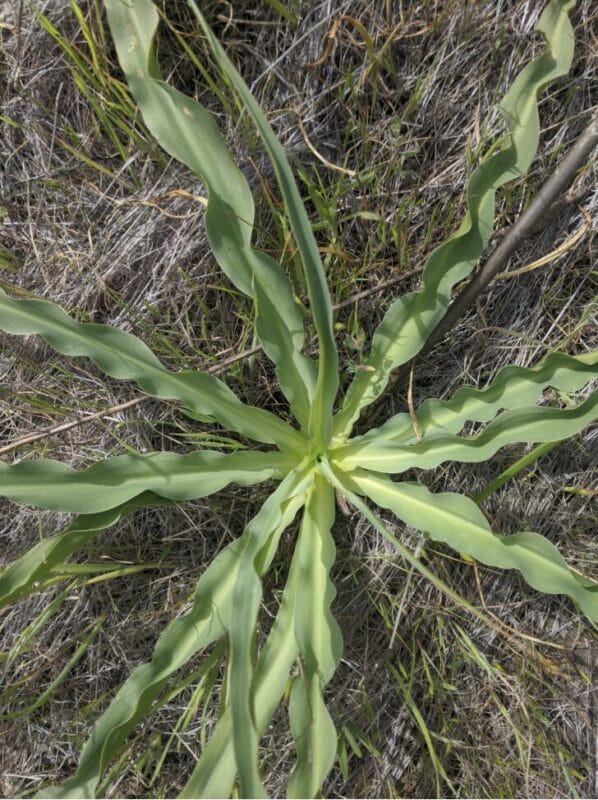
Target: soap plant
{"x": 312, "y": 460}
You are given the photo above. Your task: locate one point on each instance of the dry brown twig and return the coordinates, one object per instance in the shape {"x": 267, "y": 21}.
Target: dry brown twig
{"x": 550, "y": 192}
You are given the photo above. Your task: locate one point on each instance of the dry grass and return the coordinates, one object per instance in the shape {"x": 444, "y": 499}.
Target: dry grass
{"x": 509, "y": 706}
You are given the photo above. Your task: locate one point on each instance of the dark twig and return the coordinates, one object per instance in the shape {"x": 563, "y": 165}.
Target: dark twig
{"x": 529, "y": 222}
{"x": 554, "y": 187}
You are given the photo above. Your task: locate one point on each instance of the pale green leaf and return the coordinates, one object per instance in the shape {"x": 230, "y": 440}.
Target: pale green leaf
{"x": 215, "y": 772}
{"x": 208, "y": 619}
{"x": 259, "y": 548}
{"x": 320, "y": 645}
{"x": 319, "y": 296}
{"x": 524, "y": 425}
{"x": 458, "y": 522}
{"x": 179, "y": 641}
{"x": 347, "y": 488}
{"x": 106, "y": 484}
{"x": 24, "y": 574}
{"x": 190, "y": 134}
{"x": 513, "y": 387}
{"x": 125, "y": 357}
{"x": 410, "y": 320}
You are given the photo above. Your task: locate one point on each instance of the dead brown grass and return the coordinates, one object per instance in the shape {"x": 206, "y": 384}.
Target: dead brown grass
{"x": 509, "y": 715}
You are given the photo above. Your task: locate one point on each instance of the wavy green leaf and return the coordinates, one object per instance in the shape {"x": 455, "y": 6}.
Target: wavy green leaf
{"x": 410, "y": 320}
{"x": 123, "y": 356}
{"x": 457, "y": 521}
{"x": 259, "y": 548}
{"x": 525, "y": 425}
{"x": 215, "y": 772}
{"x": 513, "y": 387}
{"x": 179, "y": 641}
{"x": 189, "y": 133}
{"x": 208, "y": 620}
{"x": 23, "y": 575}
{"x": 320, "y": 419}
{"x": 106, "y": 484}
{"x": 344, "y": 485}
{"x": 320, "y": 644}
{"x": 228, "y": 595}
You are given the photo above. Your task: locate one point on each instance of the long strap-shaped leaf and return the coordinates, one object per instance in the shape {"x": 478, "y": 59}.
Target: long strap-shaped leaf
{"x": 409, "y": 321}
{"x": 525, "y": 425}
{"x": 513, "y": 387}
{"x": 190, "y": 134}
{"x": 320, "y": 645}
{"x": 342, "y": 483}
{"x": 259, "y": 549}
{"x": 321, "y": 307}
{"x": 182, "y": 638}
{"x": 457, "y": 521}
{"x": 215, "y": 772}
{"x": 24, "y": 574}
{"x": 207, "y": 621}
{"x": 123, "y": 356}
{"x": 106, "y": 484}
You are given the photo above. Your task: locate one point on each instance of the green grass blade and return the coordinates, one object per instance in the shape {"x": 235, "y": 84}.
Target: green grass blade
{"x": 513, "y": 387}
{"x": 23, "y": 576}
{"x": 26, "y": 637}
{"x": 320, "y": 645}
{"x": 514, "y": 469}
{"x": 109, "y": 483}
{"x": 419, "y": 720}
{"x": 207, "y": 621}
{"x": 281, "y": 9}
{"x": 45, "y": 696}
{"x": 125, "y": 357}
{"x": 458, "y": 522}
{"x": 409, "y": 321}
{"x": 523, "y": 425}
{"x": 319, "y": 296}
{"x": 190, "y": 134}
{"x": 259, "y": 548}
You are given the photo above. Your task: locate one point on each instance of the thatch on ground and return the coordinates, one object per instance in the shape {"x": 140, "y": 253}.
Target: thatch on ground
{"x": 510, "y": 711}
